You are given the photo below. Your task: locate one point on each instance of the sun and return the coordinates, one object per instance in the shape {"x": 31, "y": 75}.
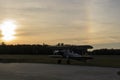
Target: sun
{"x": 8, "y": 28}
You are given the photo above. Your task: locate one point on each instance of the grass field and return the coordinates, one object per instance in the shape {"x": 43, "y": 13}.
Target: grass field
{"x": 101, "y": 60}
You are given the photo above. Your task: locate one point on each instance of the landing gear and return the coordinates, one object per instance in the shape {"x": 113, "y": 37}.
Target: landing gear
{"x": 59, "y": 61}
{"x": 68, "y": 61}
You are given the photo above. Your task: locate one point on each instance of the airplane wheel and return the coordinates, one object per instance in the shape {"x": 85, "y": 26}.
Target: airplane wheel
{"x": 59, "y": 61}
{"x": 118, "y": 73}
{"x": 68, "y": 61}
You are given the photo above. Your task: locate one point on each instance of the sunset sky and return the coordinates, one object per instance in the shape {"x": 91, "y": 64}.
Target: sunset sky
{"x": 81, "y": 22}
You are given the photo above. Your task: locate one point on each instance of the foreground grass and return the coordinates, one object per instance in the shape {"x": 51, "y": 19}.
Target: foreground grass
{"x": 107, "y": 60}
{"x": 101, "y": 60}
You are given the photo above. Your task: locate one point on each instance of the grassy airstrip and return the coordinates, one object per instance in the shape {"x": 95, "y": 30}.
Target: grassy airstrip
{"x": 100, "y": 60}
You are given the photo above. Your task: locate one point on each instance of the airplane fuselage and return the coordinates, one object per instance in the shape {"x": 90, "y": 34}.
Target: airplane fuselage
{"x": 70, "y": 55}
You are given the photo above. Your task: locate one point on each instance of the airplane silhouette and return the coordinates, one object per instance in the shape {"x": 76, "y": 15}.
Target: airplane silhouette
{"x": 69, "y": 54}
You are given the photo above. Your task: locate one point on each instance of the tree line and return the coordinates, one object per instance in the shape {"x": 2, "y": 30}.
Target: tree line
{"x": 26, "y": 49}
{"x": 106, "y": 52}
{"x": 38, "y": 49}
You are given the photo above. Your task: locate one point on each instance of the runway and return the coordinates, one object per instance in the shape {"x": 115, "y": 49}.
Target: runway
{"x": 25, "y": 71}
